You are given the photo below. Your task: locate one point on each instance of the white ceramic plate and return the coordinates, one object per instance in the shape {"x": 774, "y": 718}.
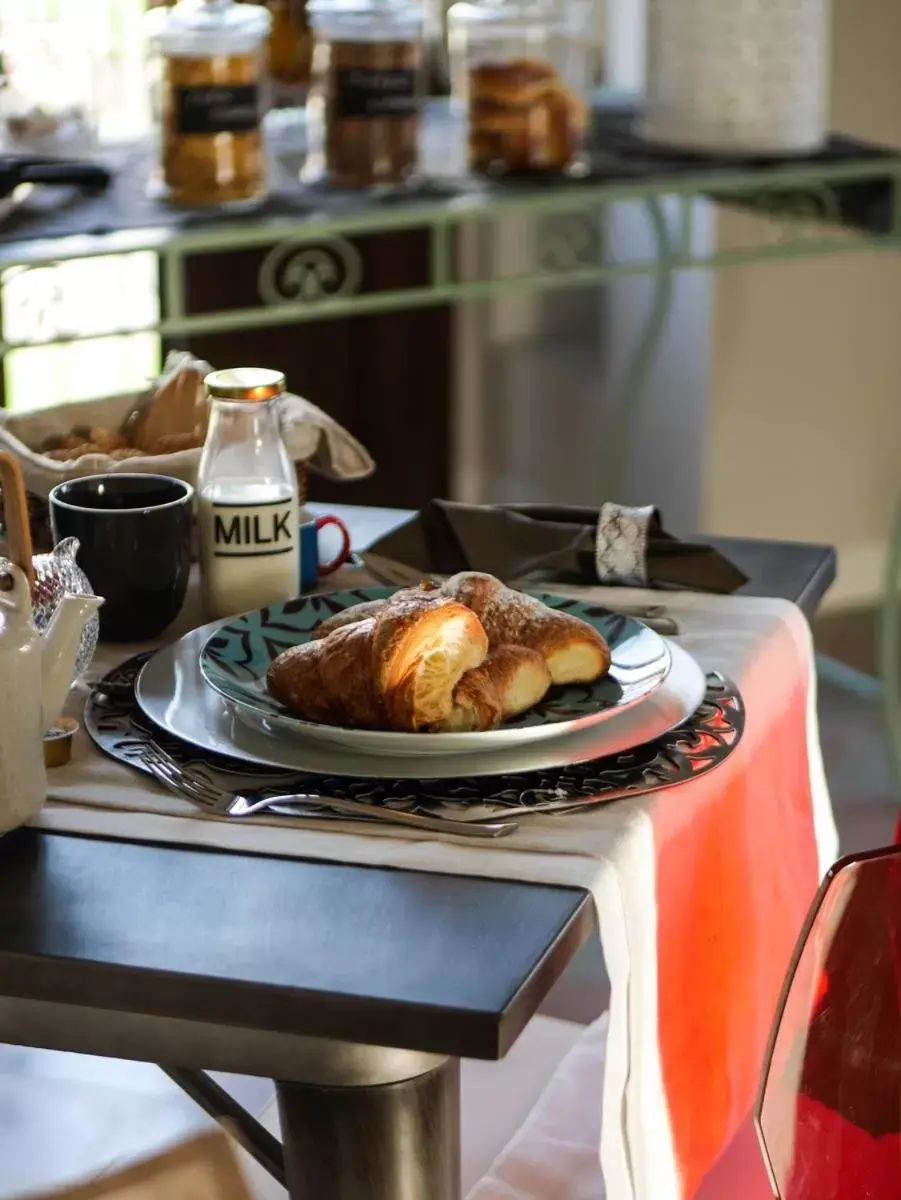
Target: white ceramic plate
{"x": 236, "y": 658}
{"x": 172, "y": 693}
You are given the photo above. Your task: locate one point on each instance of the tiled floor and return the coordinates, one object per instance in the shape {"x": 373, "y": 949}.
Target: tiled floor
{"x": 64, "y": 1116}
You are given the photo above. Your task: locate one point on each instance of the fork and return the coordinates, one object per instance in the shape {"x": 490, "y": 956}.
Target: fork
{"x": 195, "y": 788}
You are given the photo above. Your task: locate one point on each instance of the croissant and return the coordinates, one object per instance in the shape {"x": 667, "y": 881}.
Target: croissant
{"x": 574, "y": 650}
{"x": 395, "y": 670}
{"x": 368, "y": 608}
{"x": 510, "y": 681}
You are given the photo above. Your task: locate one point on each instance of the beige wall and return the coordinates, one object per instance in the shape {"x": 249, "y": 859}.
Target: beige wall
{"x": 806, "y": 409}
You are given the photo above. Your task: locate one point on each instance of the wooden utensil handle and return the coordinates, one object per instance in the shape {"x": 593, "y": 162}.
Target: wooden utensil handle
{"x": 15, "y": 514}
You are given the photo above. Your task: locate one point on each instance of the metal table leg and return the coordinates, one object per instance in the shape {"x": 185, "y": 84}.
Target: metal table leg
{"x": 358, "y": 1123}
{"x": 379, "y": 1141}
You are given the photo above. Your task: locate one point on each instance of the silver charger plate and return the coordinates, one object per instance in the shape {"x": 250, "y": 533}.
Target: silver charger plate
{"x": 172, "y": 693}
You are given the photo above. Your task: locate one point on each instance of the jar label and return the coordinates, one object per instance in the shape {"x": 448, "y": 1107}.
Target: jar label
{"x": 374, "y": 92}
{"x": 254, "y": 530}
{"x": 217, "y": 109}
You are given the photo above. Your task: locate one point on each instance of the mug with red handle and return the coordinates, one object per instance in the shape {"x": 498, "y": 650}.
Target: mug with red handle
{"x": 311, "y": 569}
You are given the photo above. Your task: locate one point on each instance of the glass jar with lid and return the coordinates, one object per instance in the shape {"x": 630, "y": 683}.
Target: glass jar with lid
{"x": 211, "y": 65}
{"x": 366, "y": 96}
{"x": 522, "y": 70}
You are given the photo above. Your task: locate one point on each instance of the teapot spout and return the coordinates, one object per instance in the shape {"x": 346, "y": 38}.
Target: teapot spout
{"x": 60, "y": 651}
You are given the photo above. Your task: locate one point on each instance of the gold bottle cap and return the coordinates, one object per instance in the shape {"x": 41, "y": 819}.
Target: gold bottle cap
{"x": 247, "y": 385}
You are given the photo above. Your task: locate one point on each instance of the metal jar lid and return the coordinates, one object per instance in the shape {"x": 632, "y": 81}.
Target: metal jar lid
{"x": 207, "y": 28}
{"x": 367, "y": 20}
{"x": 246, "y": 385}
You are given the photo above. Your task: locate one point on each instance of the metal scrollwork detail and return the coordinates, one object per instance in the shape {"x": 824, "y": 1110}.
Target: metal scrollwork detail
{"x": 570, "y": 243}
{"x": 799, "y": 215}
{"x": 310, "y": 272}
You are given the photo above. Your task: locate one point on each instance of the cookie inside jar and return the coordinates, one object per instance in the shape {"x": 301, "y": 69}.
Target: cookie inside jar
{"x": 366, "y": 99}
{"x": 210, "y": 69}
{"x": 522, "y": 71}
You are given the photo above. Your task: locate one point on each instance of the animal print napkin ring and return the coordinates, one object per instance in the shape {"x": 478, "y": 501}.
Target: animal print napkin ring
{"x": 621, "y": 544}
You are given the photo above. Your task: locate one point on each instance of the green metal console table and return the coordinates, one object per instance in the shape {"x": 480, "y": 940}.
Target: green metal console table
{"x": 845, "y": 199}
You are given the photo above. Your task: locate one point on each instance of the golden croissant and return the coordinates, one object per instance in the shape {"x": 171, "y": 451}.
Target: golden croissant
{"x": 396, "y": 670}
{"x": 510, "y": 681}
{"x": 573, "y": 650}
{"x": 460, "y": 657}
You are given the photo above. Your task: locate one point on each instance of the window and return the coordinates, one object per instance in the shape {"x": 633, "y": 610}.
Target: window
{"x": 88, "y": 53}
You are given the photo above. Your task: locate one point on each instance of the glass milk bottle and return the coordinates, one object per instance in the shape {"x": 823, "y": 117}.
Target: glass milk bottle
{"x": 247, "y": 494}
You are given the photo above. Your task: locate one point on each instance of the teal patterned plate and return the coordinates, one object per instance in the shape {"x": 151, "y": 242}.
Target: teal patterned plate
{"x": 234, "y": 662}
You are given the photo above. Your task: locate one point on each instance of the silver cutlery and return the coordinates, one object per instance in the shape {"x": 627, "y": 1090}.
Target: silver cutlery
{"x": 193, "y": 786}
{"x": 243, "y": 806}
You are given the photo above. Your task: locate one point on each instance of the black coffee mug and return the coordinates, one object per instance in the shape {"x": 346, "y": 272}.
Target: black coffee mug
{"x": 135, "y": 535}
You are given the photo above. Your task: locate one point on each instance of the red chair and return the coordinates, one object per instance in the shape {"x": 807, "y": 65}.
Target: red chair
{"x": 829, "y": 1112}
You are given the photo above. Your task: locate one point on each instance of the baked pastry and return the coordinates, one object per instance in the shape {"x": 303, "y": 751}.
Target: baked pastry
{"x": 395, "y": 670}
{"x": 516, "y": 83}
{"x": 510, "y": 681}
{"x": 179, "y": 409}
{"x": 174, "y": 420}
{"x": 367, "y": 608}
{"x": 477, "y": 704}
{"x": 522, "y": 117}
{"x": 574, "y": 650}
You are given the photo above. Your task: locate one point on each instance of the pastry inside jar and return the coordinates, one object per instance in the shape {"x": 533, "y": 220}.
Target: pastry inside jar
{"x": 212, "y": 145}
{"x": 372, "y": 113}
{"x": 523, "y": 118}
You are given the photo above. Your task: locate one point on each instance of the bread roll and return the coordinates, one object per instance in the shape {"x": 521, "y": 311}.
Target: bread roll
{"x": 574, "y": 650}
{"x": 510, "y": 681}
{"x": 477, "y": 705}
{"x": 395, "y": 670}
{"x": 329, "y": 681}
{"x": 359, "y": 612}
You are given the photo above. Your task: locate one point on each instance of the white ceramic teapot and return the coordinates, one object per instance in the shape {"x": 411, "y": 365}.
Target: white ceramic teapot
{"x": 35, "y": 672}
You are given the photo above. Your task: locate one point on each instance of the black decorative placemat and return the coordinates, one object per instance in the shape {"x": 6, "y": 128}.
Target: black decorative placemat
{"x": 120, "y": 729}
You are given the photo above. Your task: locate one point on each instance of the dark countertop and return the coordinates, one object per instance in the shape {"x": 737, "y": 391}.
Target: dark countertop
{"x": 437, "y": 963}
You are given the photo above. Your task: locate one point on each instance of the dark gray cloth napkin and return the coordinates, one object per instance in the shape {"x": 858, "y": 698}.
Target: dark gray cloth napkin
{"x": 613, "y": 544}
